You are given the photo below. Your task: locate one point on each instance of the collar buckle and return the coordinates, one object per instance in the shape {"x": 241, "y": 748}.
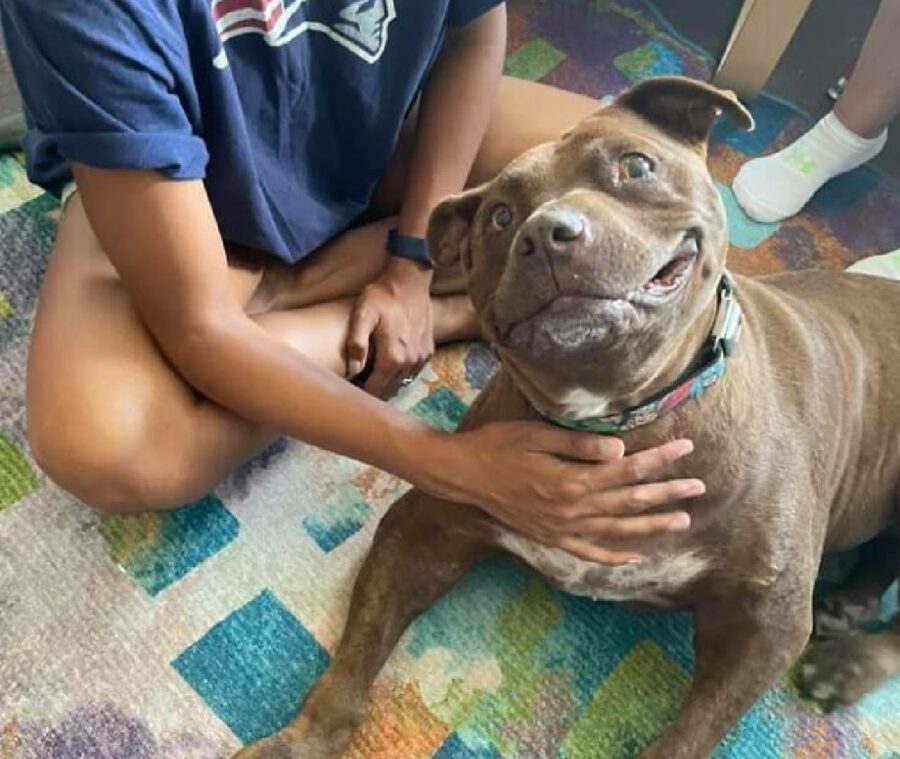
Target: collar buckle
{"x": 726, "y": 331}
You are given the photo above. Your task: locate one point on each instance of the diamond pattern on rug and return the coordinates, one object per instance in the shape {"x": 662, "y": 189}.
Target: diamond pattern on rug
{"x": 442, "y": 409}
{"x": 338, "y": 519}
{"x": 158, "y": 549}
{"x": 454, "y": 748}
{"x": 533, "y": 61}
{"x": 652, "y": 59}
{"x": 17, "y": 479}
{"x": 254, "y": 667}
{"x": 647, "y": 679}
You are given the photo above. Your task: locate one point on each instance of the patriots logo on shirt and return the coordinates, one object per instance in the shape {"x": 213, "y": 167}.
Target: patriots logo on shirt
{"x": 360, "y": 26}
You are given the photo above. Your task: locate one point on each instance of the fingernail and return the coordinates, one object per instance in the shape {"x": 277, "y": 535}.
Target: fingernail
{"x": 681, "y": 521}
{"x": 686, "y": 447}
{"x": 695, "y": 488}
{"x": 635, "y": 560}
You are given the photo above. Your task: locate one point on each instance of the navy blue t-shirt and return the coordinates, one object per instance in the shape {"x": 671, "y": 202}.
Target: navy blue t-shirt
{"x": 288, "y": 109}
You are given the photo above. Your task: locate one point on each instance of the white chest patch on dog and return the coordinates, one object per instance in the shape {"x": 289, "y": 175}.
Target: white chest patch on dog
{"x": 651, "y": 581}
{"x": 583, "y": 404}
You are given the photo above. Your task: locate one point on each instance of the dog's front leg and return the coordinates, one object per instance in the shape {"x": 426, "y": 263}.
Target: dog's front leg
{"x": 418, "y": 554}
{"x": 742, "y": 648}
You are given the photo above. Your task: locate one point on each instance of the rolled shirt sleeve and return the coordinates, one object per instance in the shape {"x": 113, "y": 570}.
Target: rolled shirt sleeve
{"x": 100, "y": 86}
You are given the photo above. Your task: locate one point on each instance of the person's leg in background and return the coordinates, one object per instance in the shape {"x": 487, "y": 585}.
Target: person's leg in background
{"x": 777, "y": 186}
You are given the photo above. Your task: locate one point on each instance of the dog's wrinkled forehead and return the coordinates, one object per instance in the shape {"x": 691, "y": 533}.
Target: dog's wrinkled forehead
{"x": 588, "y": 159}
{"x": 618, "y": 130}
{"x": 613, "y": 131}
{"x": 533, "y": 172}
{"x": 608, "y": 134}
{"x": 658, "y": 130}
{"x": 528, "y": 170}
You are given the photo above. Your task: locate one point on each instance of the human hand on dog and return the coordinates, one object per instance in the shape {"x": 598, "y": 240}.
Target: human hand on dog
{"x": 569, "y": 490}
{"x": 392, "y": 317}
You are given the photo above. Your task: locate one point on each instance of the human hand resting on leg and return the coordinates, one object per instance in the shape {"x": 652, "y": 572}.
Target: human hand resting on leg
{"x": 393, "y": 320}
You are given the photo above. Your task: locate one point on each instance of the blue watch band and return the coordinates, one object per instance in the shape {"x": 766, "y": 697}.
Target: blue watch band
{"x": 410, "y": 248}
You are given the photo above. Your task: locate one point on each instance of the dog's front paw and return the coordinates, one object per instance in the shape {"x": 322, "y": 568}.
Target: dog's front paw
{"x": 841, "y": 670}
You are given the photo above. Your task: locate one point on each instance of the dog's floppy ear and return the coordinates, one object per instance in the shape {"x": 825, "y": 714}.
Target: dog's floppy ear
{"x": 684, "y": 107}
{"x": 450, "y": 226}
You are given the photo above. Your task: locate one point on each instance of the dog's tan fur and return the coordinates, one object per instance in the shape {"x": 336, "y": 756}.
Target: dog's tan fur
{"x": 797, "y": 444}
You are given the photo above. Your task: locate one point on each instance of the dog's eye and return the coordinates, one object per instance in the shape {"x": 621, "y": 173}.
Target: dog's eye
{"x": 635, "y": 166}
{"x": 501, "y": 216}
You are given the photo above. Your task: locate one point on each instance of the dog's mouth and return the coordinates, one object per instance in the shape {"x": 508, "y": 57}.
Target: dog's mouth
{"x": 568, "y": 310}
{"x": 672, "y": 275}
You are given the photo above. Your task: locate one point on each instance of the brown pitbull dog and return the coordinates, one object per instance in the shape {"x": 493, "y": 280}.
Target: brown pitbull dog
{"x": 597, "y": 265}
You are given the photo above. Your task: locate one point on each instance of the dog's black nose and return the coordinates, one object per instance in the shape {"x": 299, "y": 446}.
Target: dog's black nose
{"x": 554, "y": 230}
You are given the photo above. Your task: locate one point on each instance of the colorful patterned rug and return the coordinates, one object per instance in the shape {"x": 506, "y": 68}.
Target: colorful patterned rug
{"x": 179, "y": 636}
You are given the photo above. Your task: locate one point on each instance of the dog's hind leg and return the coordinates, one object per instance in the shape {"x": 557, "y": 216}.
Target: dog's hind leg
{"x": 422, "y": 548}
{"x": 858, "y": 600}
{"x": 839, "y": 670}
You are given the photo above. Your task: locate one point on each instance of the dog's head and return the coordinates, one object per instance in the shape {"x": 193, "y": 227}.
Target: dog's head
{"x": 600, "y": 250}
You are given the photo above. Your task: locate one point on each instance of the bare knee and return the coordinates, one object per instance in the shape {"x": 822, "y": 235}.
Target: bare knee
{"x": 112, "y": 464}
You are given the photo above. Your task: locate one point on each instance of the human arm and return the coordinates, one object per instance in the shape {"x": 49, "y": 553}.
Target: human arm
{"x": 560, "y": 487}
{"x": 394, "y": 312}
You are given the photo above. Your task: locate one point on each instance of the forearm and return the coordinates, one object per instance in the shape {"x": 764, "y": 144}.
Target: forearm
{"x": 242, "y": 367}
{"x": 454, "y": 112}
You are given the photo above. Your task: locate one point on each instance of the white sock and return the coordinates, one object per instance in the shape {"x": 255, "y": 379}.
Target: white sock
{"x": 884, "y": 265}
{"x": 777, "y": 186}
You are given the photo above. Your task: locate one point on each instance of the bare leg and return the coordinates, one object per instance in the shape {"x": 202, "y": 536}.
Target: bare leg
{"x": 109, "y": 419}
{"x": 416, "y": 558}
{"x": 872, "y": 95}
{"x": 780, "y": 185}
{"x": 741, "y": 652}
